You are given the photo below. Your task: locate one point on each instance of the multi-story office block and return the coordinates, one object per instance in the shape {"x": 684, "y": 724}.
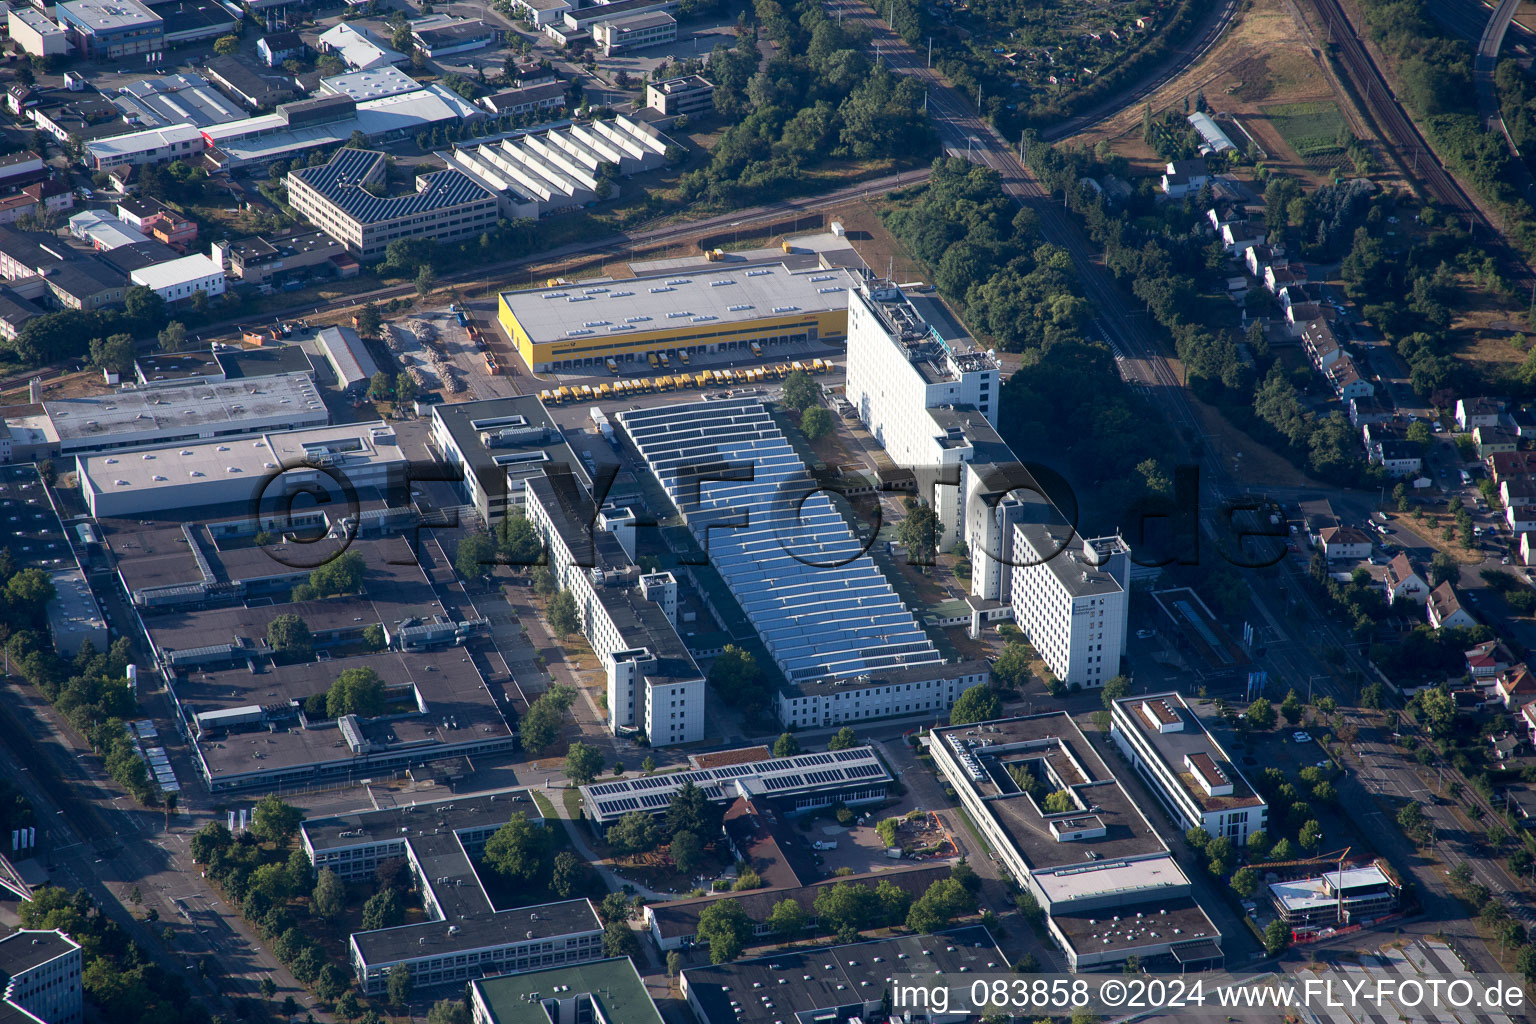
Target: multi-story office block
{"x": 40, "y": 978}
{"x": 1070, "y": 596}
{"x": 629, "y": 617}
{"x": 1188, "y": 770}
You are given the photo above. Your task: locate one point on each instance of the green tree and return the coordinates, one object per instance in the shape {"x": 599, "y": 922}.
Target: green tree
{"x": 341, "y": 575}
{"x": 978, "y": 704}
{"x": 801, "y": 391}
{"x": 544, "y": 720}
{"x": 568, "y": 876}
{"x": 815, "y": 423}
{"x": 725, "y": 928}
{"x": 275, "y": 821}
{"x": 583, "y": 762}
{"x": 399, "y": 985}
{"x": 517, "y": 849}
{"x": 843, "y": 739}
{"x": 405, "y": 388}
{"x": 357, "y": 691}
{"x": 329, "y": 899}
{"x": 426, "y": 280}
{"x": 920, "y": 533}
{"x": 562, "y": 614}
{"x": 380, "y": 386}
{"x": 1260, "y": 714}
{"x": 674, "y": 964}
{"x": 383, "y": 910}
{"x": 518, "y": 542}
{"x": 1114, "y": 689}
{"x": 373, "y": 636}
{"x": 687, "y": 852}
{"x": 787, "y": 919}
{"x": 369, "y": 321}
{"x": 1245, "y": 882}
{"x": 786, "y": 745}
{"x": 448, "y": 1011}
{"x": 289, "y": 636}
{"x": 1443, "y": 568}
{"x": 619, "y": 940}
{"x": 1058, "y": 802}
{"x": 1291, "y": 707}
{"x": 634, "y": 833}
{"x": 226, "y": 46}
{"x": 172, "y": 337}
{"x": 945, "y": 900}
{"x": 114, "y": 353}
{"x": 1282, "y": 851}
{"x": 887, "y": 830}
{"x": 690, "y": 811}
{"x": 1276, "y": 937}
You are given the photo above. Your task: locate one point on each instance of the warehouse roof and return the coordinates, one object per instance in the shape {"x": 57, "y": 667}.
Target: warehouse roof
{"x": 188, "y": 268}
{"x": 105, "y": 16}
{"x": 342, "y": 178}
{"x": 348, "y": 355}
{"x": 133, "y": 143}
{"x": 169, "y": 408}
{"x": 181, "y": 99}
{"x": 33, "y": 534}
{"x": 815, "y": 596}
{"x": 371, "y": 84}
{"x": 676, "y": 301}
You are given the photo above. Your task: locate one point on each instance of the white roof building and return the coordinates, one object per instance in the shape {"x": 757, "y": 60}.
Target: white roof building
{"x": 152, "y": 146}
{"x": 357, "y": 47}
{"x": 181, "y": 279}
{"x": 103, "y": 230}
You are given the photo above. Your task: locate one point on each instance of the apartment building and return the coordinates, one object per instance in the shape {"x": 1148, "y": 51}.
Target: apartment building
{"x": 1191, "y": 773}
{"x": 446, "y": 206}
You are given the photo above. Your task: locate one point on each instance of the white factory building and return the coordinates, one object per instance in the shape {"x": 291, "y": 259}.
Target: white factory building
{"x": 240, "y": 470}
{"x": 629, "y": 617}
{"x": 930, "y": 397}
{"x": 1191, "y": 773}
{"x": 176, "y": 280}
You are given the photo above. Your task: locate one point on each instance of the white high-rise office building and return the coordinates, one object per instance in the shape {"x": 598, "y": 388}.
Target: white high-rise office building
{"x": 40, "y": 977}
{"x": 1070, "y": 596}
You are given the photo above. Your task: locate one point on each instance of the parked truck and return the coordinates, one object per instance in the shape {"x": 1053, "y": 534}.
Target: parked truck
{"x": 612, "y": 364}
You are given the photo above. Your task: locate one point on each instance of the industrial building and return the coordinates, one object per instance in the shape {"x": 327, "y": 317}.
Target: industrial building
{"x": 846, "y": 644}
{"x": 111, "y": 29}
{"x": 446, "y": 206}
{"x": 207, "y": 591}
{"x": 150, "y": 146}
{"x": 493, "y": 446}
{"x": 239, "y": 471}
{"x": 36, "y": 33}
{"x": 442, "y": 35}
{"x": 74, "y": 617}
{"x": 1109, "y": 886}
{"x": 268, "y": 261}
{"x": 464, "y": 937}
{"x": 930, "y": 396}
{"x": 842, "y": 982}
{"x": 628, "y": 616}
{"x": 302, "y": 126}
{"x": 1192, "y": 774}
{"x": 35, "y": 539}
{"x": 357, "y": 47}
{"x": 562, "y": 167}
{"x": 40, "y": 978}
{"x": 609, "y": 991}
{"x": 791, "y": 785}
{"x": 349, "y": 357}
{"x": 578, "y": 326}
{"x": 180, "y": 279}
{"x": 130, "y": 419}
{"x": 688, "y": 94}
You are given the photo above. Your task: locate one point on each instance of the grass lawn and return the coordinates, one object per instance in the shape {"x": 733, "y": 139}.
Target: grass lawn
{"x": 571, "y": 797}
{"x": 1313, "y": 130}
{"x": 545, "y": 807}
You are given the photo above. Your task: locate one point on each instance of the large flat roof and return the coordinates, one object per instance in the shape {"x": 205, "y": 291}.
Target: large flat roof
{"x": 134, "y": 143}
{"x": 24, "y": 950}
{"x": 32, "y": 533}
{"x": 795, "y": 983}
{"x": 1106, "y": 930}
{"x": 466, "y": 422}
{"x": 175, "y": 408}
{"x": 109, "y": 15}
{"x": 1190, "y": 740}
{"x": 340, "y": 181}
{"x": 1053, "y": 739}
{"x": 256, "y": 458}
{"x": 416, "y": 820}
{"x": 173, "y": 272}
{"x": 185, "y": 98}
{"x": 1078, "y": 576}
{"x": 614, "y": 984}
{"x": 815, "y": 596}
{"x": 677, "y": 301}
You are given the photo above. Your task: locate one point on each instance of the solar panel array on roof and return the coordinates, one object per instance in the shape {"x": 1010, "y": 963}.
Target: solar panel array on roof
{"x": 778, "y": 776}
{"x": 819, "y": 603}
{"x": 341, "y": 182}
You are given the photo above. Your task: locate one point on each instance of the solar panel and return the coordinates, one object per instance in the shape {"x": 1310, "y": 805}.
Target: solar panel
{"x": 655, "y": 800}
{"x": 820, "y": 759}
{"x": 862, "y": 771}
{"x": 851, "y": 755}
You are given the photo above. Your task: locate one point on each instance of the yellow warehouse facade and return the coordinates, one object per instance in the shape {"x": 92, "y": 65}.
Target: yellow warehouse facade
{"x": 576, "y": 327}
